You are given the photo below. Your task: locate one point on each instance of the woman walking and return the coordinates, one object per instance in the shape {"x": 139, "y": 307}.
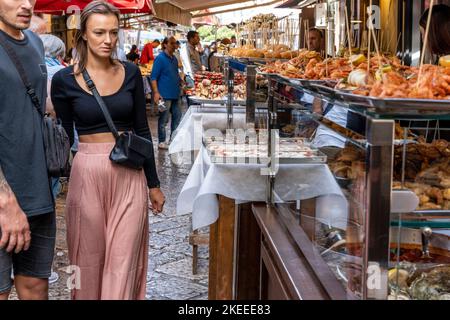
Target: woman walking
{"x": 106, "y": 209}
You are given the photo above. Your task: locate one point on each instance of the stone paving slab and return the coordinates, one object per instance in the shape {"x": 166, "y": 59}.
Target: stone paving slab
{"x": 157, "y": 258}
{"x": 182, "y": 232}
{"x": 183, "y": 269}
{"x": 160, "y": 241}
{"x": 186, "y": 248}
{"x": 174, "y": 288}
{"x": 170, "y": 223}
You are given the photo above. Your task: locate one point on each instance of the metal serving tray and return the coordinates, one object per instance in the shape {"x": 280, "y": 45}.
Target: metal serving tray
{"x": 352, "y": 99}
{"x": 259, "y": 71}
{"x": 396, "y": 105}
{"x": 200, "y": 100}
{"x": 324, "y": 90}
{"x": 410, "y": 105}
{"x": 317, "y": 158}
{"x": 265, "y": 160}
{"x": 222, "y": 101}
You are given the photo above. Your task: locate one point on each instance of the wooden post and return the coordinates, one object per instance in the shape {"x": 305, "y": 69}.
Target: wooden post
{"x": 221, "y": 252}
{"x": 248, "y": 254}
{"x": 307, "y": 218}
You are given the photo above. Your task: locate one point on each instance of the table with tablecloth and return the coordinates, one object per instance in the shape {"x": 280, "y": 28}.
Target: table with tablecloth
{"x": 214, "y": 192}
{"x": 187, "y": 139}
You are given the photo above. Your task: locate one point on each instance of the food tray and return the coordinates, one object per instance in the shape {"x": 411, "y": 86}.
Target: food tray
{"x": 222, "y": 101}
{"x": 260, "y": 157}
{"x": 265, "y": 160}
{"x": 410, "y": 105}
{"x": 352, "y": 99}
{"x": 259, "y": 71}
{"x": 324, "y": 90}
{"x": 200, "y": 100}
{"x": 396, "y": 105}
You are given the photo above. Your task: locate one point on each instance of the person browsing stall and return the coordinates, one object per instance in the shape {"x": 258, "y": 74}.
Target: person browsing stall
{"x": 133, "y": 56}
{"x": 166, "y": 84}
{"x": 147, "y": 53}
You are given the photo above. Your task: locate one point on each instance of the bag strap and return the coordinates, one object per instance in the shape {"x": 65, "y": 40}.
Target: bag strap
{"x": 90, "y": 84}
{"x": 20, "y": 69}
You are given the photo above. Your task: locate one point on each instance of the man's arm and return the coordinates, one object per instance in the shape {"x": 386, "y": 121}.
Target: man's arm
{"x": 156, "y": 72}
{"x": 14, "y": 227}
{"x": 156, "y": 94}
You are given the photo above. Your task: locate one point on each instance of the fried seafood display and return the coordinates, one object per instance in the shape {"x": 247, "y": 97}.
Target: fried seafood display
{"x": 434, "y": 83}
{"x": 210, "y": 85}
{"x": 382, "y": 76}
{"x": 279, "y": 51}
{"x": 294, "y": 68}
{"x": 427, "y": 169}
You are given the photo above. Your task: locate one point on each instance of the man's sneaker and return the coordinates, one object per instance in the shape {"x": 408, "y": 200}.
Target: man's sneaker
{"x": 163, "y": 145}
{"x": 53, "y": 277}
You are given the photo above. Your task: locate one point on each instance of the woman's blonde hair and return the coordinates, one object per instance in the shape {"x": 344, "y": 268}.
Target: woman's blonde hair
{"x": 95, "y": 7}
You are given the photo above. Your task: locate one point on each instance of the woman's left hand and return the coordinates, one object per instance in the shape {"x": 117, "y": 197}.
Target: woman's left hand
{"x": 157, "y": 199}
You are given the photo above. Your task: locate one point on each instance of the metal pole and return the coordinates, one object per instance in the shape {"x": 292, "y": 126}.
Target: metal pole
{"x": 271, "y": 122}
{"x": 250, "y": 102}
{"x": 229, "y": 80}
{"x": 380, "y": 134}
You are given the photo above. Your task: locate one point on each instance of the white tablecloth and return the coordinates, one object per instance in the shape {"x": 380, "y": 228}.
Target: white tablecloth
{"x": 244, "y": 183}
{"x": 197, "y": 120}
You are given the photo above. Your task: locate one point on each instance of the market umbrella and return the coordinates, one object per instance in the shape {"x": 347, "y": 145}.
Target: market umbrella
{"x": 69, "y": 6}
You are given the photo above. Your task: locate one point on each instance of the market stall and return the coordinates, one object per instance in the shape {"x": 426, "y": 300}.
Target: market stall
{"x": 381, "y": 126}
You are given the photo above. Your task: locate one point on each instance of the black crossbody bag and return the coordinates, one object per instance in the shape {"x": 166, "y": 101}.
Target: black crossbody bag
{"x": 56, "y": 141}
{"x": 130, "y": 149}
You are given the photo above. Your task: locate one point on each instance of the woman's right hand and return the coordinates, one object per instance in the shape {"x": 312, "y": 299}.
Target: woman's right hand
{"x": 157, "y": 199}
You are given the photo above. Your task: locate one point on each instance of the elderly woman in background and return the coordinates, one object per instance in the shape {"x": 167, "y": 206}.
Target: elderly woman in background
{"x": 55, "y": 54}
{"x": 55, "y": 51}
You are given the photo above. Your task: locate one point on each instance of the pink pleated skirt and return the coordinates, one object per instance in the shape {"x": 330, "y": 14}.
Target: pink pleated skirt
{"x": 107, "y": 227}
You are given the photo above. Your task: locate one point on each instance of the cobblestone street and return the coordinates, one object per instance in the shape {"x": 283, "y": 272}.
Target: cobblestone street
{"x": 170, "y": 255}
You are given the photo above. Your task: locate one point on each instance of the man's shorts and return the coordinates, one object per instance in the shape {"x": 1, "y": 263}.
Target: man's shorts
{"x": 37, "y": 261}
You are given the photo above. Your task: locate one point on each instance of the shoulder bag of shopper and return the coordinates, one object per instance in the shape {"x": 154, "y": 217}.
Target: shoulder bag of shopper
{"x": 130, "y": 149}
{"x": 56, "y": 141}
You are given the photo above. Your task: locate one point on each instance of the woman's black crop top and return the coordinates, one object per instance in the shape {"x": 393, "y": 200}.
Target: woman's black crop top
{"x": 73, "y": 105}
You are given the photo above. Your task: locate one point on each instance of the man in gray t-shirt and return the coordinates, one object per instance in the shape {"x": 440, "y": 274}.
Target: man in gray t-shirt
{"x": 27, "y": 218}
{"x": 193, "y": 55}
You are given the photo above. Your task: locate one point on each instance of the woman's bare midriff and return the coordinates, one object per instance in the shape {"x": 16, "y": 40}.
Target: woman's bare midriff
{"x": 103, "y": 137}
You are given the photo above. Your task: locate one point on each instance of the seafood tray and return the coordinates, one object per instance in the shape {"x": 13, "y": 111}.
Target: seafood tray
{"x": 314, "y": 83}
{"x": 417, "y": 106}
{"x": 352, "y": 99}
{"x": 200, "y": 100}
{"x": 259, "y": 71}
{"x": 222, "y": 101}
{"x": 257, "y": 154}
{"x": 324, "y": 90}
{"x": 396, "y": 105}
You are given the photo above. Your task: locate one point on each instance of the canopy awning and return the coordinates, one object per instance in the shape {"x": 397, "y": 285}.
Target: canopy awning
{"x": 297, "y": 4}
{"x": 210, "y": 20}
{"x": 196, "y": 5}
{"x": 70, "y": 6}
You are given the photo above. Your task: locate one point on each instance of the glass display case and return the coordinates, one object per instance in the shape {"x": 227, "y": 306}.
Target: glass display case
{"x": 390, "y": 236}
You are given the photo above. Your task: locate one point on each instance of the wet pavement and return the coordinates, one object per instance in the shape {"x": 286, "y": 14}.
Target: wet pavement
{"x": 170, "y": 255}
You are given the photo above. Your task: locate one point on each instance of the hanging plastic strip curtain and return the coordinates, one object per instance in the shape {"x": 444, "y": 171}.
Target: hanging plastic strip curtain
{"x": 74, "y": 6}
